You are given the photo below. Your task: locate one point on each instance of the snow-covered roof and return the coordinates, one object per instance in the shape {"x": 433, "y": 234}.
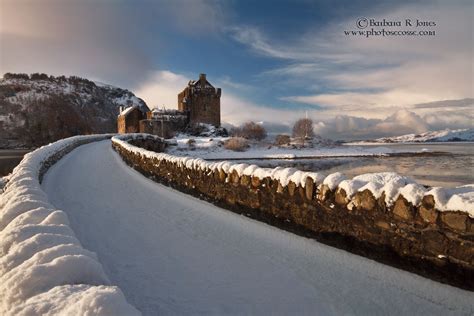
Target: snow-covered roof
{"x": 127, "y": 111}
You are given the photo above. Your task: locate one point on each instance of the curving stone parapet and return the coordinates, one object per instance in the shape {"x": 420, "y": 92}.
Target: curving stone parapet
{"x": 386, "y": 217}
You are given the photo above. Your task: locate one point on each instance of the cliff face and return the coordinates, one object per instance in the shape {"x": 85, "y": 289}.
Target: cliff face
{"x": 39, "y": 109}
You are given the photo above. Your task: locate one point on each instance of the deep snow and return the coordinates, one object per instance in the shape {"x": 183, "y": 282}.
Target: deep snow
{"x": 43, "y": 268}
{"x": 174, "y": 254}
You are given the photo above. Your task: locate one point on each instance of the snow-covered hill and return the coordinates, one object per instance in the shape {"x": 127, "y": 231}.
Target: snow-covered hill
{"x": 447, "y": 135}
{"x": 38, "y": 109}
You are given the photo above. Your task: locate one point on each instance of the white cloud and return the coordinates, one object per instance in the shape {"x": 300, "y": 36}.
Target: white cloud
{"x": 163, "y": 86}
{"x": 371, "y": 77}
{"x": 364, "y": 103}
{"x": 450, "y": 119}
{"x": 349, "y": 127}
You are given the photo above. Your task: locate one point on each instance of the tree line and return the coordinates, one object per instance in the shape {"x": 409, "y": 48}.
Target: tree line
{"x": 42, "y": 76}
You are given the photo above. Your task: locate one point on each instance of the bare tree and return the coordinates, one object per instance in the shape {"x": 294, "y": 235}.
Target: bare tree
{"x": 303, "y": 129}
{"x": 249, "y": 130}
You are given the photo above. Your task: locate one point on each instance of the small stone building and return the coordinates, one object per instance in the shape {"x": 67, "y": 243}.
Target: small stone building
{"x": 128, "y": 120}
{"x": 199, "y": 102}
{"x": 202, "y": 101}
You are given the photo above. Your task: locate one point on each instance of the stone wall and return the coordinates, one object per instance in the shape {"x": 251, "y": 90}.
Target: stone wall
{"x": 151, "y": 143}
{"x": 421, "y": 239}
{"x": 166, "y": 128}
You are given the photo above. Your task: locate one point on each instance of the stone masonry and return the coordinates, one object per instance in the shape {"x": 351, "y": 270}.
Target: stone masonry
{"x": 202, "y": 101}
{"x": 421, "y": 239}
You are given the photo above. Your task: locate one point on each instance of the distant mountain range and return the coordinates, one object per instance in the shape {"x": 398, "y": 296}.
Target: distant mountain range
{"x": 38, "y": 109}
{"x": 447, "y": 135}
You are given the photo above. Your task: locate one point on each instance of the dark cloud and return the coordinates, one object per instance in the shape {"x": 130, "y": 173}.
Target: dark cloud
{"x": 112, "y": 41}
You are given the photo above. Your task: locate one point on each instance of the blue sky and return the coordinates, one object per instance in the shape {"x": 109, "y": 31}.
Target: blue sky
{"x": 274, "y": 60}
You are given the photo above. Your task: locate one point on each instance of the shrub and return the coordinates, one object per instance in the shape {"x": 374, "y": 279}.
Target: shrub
{"x": 236, "y": 144}
{"x": 282, "y": 139}
{"x": 191, "y": 143}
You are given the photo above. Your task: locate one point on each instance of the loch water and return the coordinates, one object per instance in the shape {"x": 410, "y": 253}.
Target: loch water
{"x": 451, "y": 164}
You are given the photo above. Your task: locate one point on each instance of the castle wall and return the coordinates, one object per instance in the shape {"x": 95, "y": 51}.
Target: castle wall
{"x": 165, "y": 128}
{"x": 181, "y": 104}
{"x": 206, "y": 107}
{"x": 418, "y": 238}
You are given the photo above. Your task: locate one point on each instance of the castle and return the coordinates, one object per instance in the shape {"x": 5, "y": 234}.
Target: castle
{"x": 202, "y": 101}
{"x": 198, "y": 103}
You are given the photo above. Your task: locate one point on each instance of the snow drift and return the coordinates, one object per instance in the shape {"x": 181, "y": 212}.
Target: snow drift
{"x": 43, "y": 267}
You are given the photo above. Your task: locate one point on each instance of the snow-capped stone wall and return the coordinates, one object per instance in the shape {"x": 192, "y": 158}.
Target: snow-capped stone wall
{"x": 43, "y": 268}
{"x": 384, "y": 216}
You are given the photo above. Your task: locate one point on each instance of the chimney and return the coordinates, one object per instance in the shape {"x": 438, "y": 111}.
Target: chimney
{"x": 202, "y": 79}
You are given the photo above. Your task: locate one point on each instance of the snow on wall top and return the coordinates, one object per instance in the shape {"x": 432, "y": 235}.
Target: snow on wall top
{"x": 391, "y": 184}
{"x": 43, "y": 267}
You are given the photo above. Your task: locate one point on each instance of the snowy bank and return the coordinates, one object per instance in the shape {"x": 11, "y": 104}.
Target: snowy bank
{"x": 389, "y": 184}
{"x": 212, "y": 148}
{"x": 43, "y": 267}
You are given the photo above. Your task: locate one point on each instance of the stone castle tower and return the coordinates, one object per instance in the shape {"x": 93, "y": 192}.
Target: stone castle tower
{"x": 202, "y": 101}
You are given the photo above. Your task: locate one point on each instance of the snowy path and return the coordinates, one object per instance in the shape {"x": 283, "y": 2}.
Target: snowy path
{"x": 174, "y": 254}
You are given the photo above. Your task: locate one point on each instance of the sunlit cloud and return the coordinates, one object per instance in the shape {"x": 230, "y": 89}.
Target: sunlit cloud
{"x": 358, "y": 74}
